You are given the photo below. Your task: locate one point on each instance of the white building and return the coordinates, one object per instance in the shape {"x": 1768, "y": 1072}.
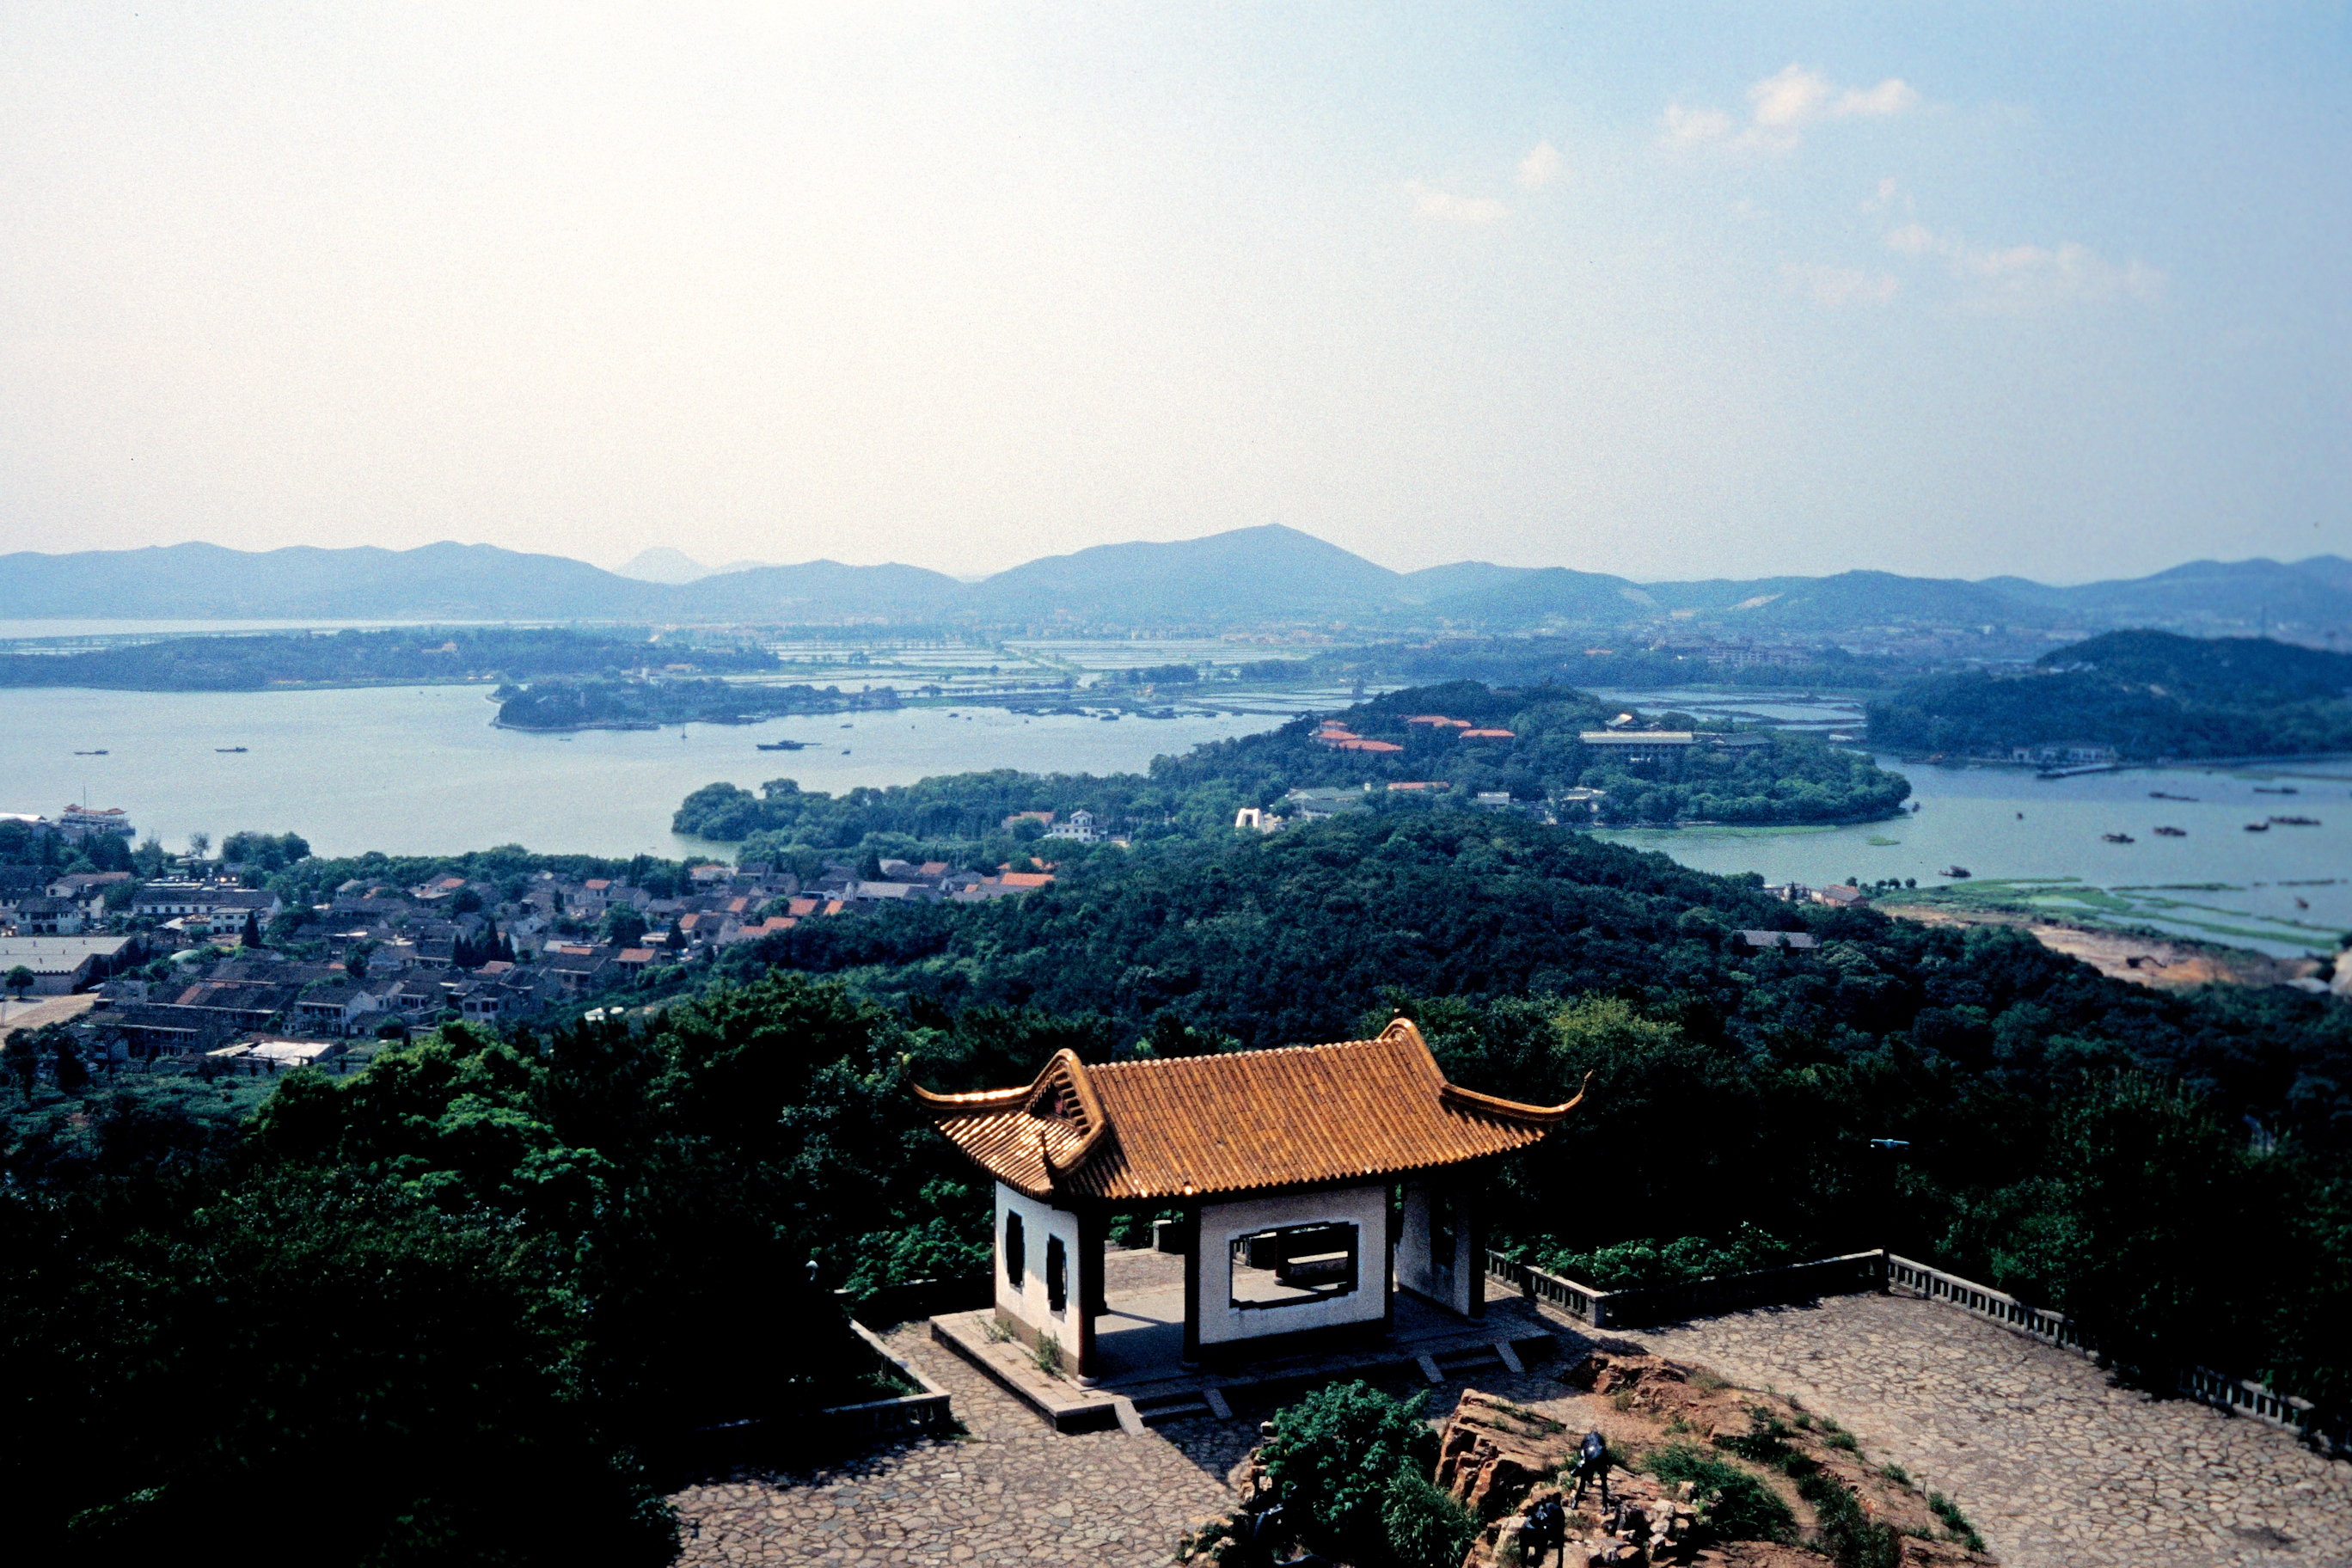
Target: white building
{"x": 1283, "y": 1165}
{"x": 1078, "y": 826}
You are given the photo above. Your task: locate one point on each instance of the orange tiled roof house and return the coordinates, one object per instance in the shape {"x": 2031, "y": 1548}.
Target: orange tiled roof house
{"x": 1281, "y": 1166}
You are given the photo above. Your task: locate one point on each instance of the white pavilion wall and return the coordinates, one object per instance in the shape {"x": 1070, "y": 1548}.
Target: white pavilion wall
{"x": 1026, "y": 1302}
{"x": 1221, "y": 1322}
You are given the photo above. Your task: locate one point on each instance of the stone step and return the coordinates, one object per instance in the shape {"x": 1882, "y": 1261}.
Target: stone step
{"x": 1152, "y": 1409}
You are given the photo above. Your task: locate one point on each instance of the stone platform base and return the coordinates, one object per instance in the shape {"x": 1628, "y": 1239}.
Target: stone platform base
{"x": 1511, "y": 1337}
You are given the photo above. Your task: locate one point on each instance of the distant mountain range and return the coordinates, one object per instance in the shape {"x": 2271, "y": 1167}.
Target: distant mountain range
{"x": 1253, "y": 576}
{"x": 663, "y": 564}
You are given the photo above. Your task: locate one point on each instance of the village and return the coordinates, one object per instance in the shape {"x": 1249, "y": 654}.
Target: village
{"x": 198, "y": 965}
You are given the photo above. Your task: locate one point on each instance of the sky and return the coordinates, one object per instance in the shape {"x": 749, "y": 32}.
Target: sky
{"x": 2059, "y": 290}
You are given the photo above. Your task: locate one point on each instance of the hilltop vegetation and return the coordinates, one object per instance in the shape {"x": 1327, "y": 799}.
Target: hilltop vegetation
{"x": 1793, "y": 779}
{"x": 2070, "y": 1137}
{"x": 407, "y": 656}
{"x": 617, "y": 704}
{"x": 491, "y": 1267}
{"x": 2148, "y": 694}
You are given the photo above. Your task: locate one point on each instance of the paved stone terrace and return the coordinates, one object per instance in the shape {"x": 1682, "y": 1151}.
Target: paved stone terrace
{"x": 2054, "y": 1465}
{"x": 1013, "y": 1490}
{"x": 2056, "y": 1468}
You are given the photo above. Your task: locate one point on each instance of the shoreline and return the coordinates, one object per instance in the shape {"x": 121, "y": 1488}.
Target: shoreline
{"x": 2143, "y": 958}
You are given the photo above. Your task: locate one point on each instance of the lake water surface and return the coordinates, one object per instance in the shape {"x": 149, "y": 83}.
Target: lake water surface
{"x": 420, "y": 770}
{"x": 412, "y": 770}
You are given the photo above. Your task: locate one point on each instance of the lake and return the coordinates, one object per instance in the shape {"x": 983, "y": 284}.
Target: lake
{"x": 2219, "y": 882}
{"x": 411, "y": 771}
{"x": 415, "y": 771}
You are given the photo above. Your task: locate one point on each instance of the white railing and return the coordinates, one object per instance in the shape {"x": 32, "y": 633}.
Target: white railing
{"x": 1583, "y": 1302}
{"x": 1593, "y": 1307}
{"x": 2050, "y": 1328}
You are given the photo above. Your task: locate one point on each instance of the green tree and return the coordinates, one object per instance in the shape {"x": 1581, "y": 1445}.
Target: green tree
{"x": 20, "y": 980}
{"x": 250, "y": 937}
{"x": 23, "y": 1058}
{"x": 624, "y": 927}
{"x": 1335, "y": 1455}
{"x": 72, "y": 1076}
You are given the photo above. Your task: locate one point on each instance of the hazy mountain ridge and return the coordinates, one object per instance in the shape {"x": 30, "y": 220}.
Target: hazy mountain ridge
{"x": 1253, "y": 575}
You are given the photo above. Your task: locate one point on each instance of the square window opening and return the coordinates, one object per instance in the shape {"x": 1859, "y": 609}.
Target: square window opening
{"x": 1294, "y": 1264}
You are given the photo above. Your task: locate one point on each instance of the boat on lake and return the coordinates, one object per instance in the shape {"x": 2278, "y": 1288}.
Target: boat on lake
{"x": 100, "y": 752}
{"x": 2274, "y": 789}
{"x": 2296, "y": 821}
{"x": 2258, "y": 827}
{"x": 1958, "y": 873}
{"x": 2118, "y": 838}
{"x": 781, "y": 746}
{"x": 228, "y": 750}
{"x": 2172, "y": 832}
{"x": 2159, "y": 795}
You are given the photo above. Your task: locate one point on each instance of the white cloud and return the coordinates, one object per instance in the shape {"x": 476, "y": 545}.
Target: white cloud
{"x": 1891, "y": 96}
{"x": 1841, "y": 285}
{"x": 1782, "y": 104}
{"x": 1791, "y": 96}
{"x": 1689, "y": 125}
{"x": 2025, "y": 274}
{"x": 1912, "y": 239}
{"x": 2018, "y": 277}
{"x": 1446, "y": 207}
{"x": 1539, "y": 167}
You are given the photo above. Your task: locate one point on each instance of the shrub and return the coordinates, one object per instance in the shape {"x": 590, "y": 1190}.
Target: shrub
{"x": 1427, "y": 1528}
{"x": 1732, "y": 1504}
{"x": 1851, "y": 1539}
{"x": 1334, "y": 1454}
{"x": 1766, "y": 1441}
{"x": 1955, "y": 1521}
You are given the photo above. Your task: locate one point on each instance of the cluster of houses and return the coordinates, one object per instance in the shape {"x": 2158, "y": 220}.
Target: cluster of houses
{"x": 246, "y": 977}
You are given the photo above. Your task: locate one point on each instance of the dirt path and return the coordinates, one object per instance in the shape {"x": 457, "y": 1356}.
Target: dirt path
{"x": 2161, "y": 961}
{"x": 33, "y": 1011}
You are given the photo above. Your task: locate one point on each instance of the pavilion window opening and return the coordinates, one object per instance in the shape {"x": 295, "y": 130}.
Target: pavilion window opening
{"x": 1291, "y": 1265}
{"x": 1057, "y": 1276}
{"x": 1017, "y": 1259}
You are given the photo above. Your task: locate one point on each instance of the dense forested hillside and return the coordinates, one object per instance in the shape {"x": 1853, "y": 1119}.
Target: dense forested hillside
{"x": 487, "y": 1266}
{"x": 406, "y": 656}
{"x": 2147, "y": 694}
{"x": 2070, "y": 1136}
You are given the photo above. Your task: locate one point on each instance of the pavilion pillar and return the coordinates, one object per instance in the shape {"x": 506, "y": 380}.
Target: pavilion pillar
{"x": 1093, "y": 1232}
{"x": 1387, "y": 1269}
{"x": 1470, "y": 1254}
{"x": 1190, "y": 1230}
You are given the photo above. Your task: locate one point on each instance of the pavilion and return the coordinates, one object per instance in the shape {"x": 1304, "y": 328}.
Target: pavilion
{"x": 1282, "y": 1167}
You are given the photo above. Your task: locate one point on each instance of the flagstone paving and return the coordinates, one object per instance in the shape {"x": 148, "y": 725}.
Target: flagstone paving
{"x": 2055, "y": 1467}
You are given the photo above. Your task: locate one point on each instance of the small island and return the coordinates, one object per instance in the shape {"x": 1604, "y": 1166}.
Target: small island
{"x": 648, "y": 704}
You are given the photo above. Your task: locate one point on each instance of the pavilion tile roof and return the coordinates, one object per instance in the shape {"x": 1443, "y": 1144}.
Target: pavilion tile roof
{"x": 1238, "y": 1123}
